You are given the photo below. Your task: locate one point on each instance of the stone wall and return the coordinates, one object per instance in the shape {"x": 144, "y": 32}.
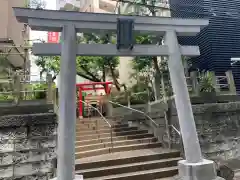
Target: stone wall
{"x": 27, "y": 143}
{"x": 218, "y": 126}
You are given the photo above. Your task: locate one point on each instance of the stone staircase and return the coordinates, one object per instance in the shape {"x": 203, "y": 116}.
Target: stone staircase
{"x": 134, "y": 154}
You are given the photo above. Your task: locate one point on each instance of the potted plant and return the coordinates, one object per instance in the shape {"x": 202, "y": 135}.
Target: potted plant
{"x": 206, "y": 84}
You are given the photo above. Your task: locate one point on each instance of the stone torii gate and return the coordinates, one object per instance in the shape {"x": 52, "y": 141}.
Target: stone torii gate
{"x": 69, "y": 23}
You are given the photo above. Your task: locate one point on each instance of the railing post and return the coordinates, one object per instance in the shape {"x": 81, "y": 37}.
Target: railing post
{"x": 231, "y": 83}
{"x": 17, "y": 88}
{"x": 194, "y": 80}
{"x": 49, "y": 89}
{"x": 215, "y": 83}
{"x": 109, "y": 107}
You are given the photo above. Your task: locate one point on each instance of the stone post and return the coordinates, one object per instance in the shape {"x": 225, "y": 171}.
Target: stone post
{"x": 194, "y": 167}
{"x": 49, "y": 89}
{"x": 17, "y": 88}
{"x": 194, "y": 80}
{"x": 231, "y": 83}
{"x": 215, "y": 83}
{"x": 109, "y": 106}
{"x": 67, "y": 108}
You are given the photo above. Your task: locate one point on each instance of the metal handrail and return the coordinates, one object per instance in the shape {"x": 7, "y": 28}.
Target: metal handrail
{"x": 181, "y": 141}
{"x": 175, "y": 129}
{"x": 141, "y": 112}
{"x": 109, "y": 124}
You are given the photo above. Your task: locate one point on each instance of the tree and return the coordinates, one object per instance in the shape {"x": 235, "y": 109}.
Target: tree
{"x": 146, "y": 62}
{"x": 148, "y": 8}
{"x": 37, "y": 4}
{"x": 98, "y": 68}
{"x": 49, "y": 65}
{"x": 93, "y": 68}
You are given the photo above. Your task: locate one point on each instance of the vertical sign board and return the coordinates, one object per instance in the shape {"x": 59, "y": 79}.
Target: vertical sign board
{"x": 53, "y": 37}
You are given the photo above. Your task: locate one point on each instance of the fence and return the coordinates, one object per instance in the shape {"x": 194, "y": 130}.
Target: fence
{"x": 18, "y": 87}
{"x": 223, "y": 85}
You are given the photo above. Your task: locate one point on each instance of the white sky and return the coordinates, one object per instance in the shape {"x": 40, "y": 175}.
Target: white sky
{"x": 51, "y": 4}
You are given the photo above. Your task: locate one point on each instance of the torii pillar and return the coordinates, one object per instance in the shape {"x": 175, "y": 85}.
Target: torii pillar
{"x": 194, "y": 167}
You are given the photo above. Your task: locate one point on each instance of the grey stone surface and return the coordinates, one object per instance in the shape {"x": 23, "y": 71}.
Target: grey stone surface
{"x": 27, "y": 119}
{"x": 179, "y": 178}
{"x": 24, "y": 108}
{"x": 217, "y": 125}
{"x": 204, "y": 170}
{"x": 28, "y": 146}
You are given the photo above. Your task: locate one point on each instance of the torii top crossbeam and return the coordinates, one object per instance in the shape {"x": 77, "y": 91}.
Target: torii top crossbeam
{"x": 49, "y": 20}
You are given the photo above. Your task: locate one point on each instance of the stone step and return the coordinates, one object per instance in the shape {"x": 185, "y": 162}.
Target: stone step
{"x": 96, "y": 152}
{"x": 94, "y": 124}
{"x": 142, "y": 175}
{"x": 100, "y": 121}
{"x": 115, "y": 143}
{"x": 169, "y": 178}
{"x": 108, "y": 135}
{"x": 129, "y": 168}
{"x": 118, "y": 138}
{"x": 107, "y": 130}
{"x": 93, "y": 127}
{"x": 127, "y": 157}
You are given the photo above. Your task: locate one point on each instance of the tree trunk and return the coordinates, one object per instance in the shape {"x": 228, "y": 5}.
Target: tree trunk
{"x": 104, "y": 74}
{"x": 157, "y": 78}
{"x": 115, "y": 81}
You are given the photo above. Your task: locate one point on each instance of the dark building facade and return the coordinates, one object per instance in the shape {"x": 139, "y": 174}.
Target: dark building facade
{"x": 220, "y": 41}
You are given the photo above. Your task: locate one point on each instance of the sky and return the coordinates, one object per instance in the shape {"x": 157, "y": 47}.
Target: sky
{"x": 51, "y": 4}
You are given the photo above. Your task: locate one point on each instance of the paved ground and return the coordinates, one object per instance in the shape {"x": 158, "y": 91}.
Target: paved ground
{"x": 237, "y": 176}
{"x": 125, "y": 154}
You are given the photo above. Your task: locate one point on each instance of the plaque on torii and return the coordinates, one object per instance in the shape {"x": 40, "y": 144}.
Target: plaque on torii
{"x": 69, "y": 23}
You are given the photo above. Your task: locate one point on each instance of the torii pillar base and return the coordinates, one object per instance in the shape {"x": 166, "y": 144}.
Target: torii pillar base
{"x": 204, "y": 170}
{"x": 77, "y": 177}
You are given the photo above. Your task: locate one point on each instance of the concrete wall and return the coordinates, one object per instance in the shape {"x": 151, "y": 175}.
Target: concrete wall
{"x": 218, "y": 126}
{"x": 4, "y": 18}
{"x": 28, "y": 142}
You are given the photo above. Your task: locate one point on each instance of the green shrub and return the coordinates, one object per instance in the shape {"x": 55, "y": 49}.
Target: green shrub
{"x": 40, "y": 91}
{"x": 121, "y": 98}
{"x": 206, "y": 82}
{"x": 6, "y": 97}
